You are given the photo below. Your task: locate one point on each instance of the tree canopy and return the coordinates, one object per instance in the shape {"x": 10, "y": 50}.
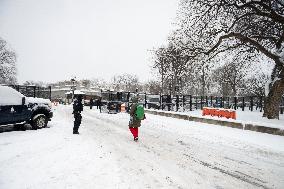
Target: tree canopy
{"x": 7, "y": 64}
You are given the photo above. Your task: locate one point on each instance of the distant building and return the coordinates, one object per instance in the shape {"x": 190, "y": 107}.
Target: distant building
{"x": 64, "y": 94}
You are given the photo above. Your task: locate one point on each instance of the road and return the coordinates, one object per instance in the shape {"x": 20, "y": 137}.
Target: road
{"x": 170, "y": 153}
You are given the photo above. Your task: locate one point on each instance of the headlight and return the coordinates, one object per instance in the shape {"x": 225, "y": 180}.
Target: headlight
{"x": 49, "y": 105}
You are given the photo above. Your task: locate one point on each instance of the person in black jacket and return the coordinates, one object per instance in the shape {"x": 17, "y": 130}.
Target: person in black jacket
{"x": 77, "y": 109}
{"x": 91, "y": 103}
{"x": 99, "y": 104}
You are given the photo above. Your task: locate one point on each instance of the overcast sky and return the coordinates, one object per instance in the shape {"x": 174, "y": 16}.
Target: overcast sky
{"x": 58, "y": 39}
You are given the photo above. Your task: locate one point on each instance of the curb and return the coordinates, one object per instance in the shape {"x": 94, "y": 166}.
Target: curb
{"x": 251, "y": 127}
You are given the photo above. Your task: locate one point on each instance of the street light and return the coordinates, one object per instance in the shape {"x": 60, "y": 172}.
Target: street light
{"x": 73, "y": 87}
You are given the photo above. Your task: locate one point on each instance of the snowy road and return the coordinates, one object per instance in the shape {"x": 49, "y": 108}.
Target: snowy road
{"x": 170, "y": 154}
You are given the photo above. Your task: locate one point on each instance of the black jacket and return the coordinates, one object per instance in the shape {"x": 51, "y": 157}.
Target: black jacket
{"x": 77, "y": 106}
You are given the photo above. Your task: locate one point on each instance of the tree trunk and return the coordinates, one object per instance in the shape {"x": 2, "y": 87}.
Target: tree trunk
{"x": 273, "y": 100}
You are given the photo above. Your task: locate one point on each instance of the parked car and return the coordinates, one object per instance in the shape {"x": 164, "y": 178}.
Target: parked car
{"x": 153, "y": 103}
{"x": 113, "y": 107}
{"x": 18, "y": 110}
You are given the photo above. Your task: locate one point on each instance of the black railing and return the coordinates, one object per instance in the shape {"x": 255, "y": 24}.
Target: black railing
{"x": 191, "y": 102}
{"x": 33, "y": 91}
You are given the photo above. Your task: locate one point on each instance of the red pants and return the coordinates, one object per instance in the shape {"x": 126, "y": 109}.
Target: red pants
{"x": 134, "y": 131}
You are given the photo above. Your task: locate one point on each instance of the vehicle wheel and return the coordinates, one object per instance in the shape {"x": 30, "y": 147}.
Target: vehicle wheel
{"x": 39, "y": 121}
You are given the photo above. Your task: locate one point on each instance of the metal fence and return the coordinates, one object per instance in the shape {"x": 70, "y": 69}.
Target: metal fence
{"x": 190, "y": 102}
{"x": 33, "y": 91}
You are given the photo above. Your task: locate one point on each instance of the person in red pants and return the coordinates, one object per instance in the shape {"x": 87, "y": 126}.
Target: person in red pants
{"x": 134, "y": 123}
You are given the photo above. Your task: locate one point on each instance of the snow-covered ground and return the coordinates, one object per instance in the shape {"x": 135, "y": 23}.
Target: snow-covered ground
{"x": 245, "y": 117}
{"x": 170, "y": 153}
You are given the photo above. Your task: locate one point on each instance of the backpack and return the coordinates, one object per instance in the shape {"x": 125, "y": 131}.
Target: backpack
{"x": 139, "y": 112}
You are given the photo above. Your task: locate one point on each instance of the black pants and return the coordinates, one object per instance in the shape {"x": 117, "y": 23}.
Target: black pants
{"x": 77, "y": 122}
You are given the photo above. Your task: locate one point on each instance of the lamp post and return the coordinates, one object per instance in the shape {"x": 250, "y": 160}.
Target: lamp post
{"x": 73, "y": 87}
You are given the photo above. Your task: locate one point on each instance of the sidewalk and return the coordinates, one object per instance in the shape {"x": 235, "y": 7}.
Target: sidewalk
{"x": 246, "y": 120}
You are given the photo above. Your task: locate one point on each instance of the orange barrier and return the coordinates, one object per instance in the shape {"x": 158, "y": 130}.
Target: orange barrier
{"x": 122, "y": 108}
{"x": 220, "y": 112}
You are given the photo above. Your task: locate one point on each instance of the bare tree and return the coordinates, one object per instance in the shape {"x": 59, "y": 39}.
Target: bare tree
{"x": 8, "y": 71}
{"x": 213, "y": 26}
{"x": 34, "y": 83}
{"x": 126, "y": 82}
{"x": 256, "y": 86}
{"x": 152, "y": 87}
{"x": 171, "y": 64}
{"x": 99, "y": 83}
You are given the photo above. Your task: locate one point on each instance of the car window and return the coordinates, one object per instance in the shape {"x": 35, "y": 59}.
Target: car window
{"x": 154, "y": 100}
{"x": 9, "y": 96}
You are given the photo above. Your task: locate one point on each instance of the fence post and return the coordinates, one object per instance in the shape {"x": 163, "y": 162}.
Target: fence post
{"x": 128, "y": 98}
{"x": 251, "y": 103}
{"x": 216, "y": 101}
{"x": 196, "y": 103}
{"x": 229, "y": 102}
{"x": 260, "y": 105}
{"x": 160, "y": 100}
{"x": 243, "y": 107}
{"x": 177, "y": 102}
{"x": 282, "y": 105}
{"x": 190, "y": 102}
{"x": 211, "y": 99}
{"x": 49, "y": 92}
{"x": 235, "y": 99}
{"x": 34, "y": 87}
{"x": 183, "y": 102}
{"x": 145, "y": 102}
{"x": 169, "y": 102}
{"x": 206, "y": 101}
{"x": 201, "y": 102}
{"x": 222, "y": 103}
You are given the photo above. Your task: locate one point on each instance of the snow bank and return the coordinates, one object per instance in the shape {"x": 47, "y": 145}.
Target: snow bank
{"x": 244, "y": 117}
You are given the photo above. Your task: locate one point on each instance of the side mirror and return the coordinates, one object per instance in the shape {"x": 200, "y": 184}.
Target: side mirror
{"x": 23, "y": 100}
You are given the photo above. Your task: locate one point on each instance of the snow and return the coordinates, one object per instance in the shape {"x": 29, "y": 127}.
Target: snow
{"x": 170, "y": 153}
{"x": 38, "y": 100}
{"x": 244, "y": 117}
{"x": 77, "y": 92}
{"x": 9, "y": 96}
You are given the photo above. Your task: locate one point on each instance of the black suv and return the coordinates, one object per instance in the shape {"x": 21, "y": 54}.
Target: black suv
{"x": 17, "y": 110}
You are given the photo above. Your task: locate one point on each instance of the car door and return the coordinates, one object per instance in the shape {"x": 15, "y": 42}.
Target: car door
{"x": 5, "y": 114}
{"x": 21, "y": 113}
{"x": 12, "y": 110}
